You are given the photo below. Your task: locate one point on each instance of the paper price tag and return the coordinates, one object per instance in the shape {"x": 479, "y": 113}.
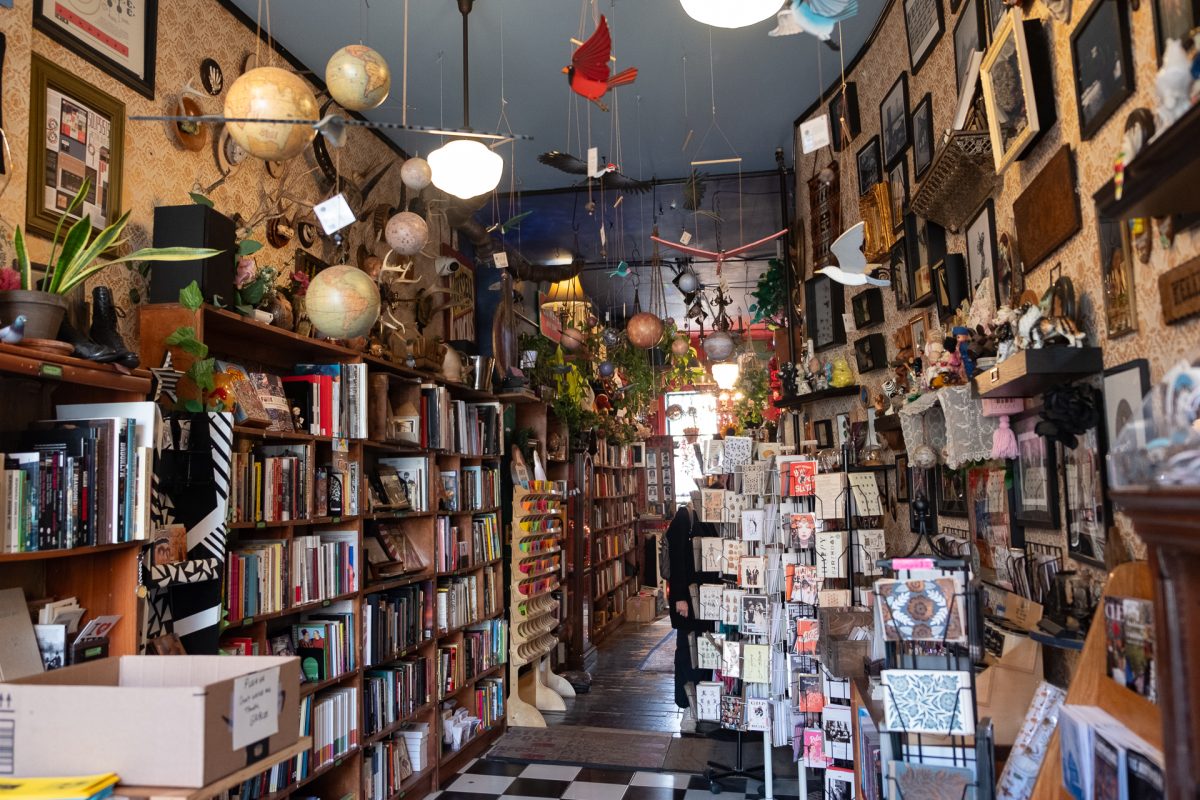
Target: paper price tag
{"x": 685, "y": 237}
{"x": 501, "y": 260}
{"x": 255, "y": 713}
{"x": 814, "y": 134}
{"x": 593, "y": 160}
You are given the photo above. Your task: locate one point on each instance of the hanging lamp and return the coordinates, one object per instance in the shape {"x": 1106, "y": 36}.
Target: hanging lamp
{"x": 731, "y": 13}
{"x": 466, "y": 168}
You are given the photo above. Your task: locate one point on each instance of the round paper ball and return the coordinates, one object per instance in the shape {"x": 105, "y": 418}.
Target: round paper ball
{"x": 406, "y": 233}
{"x": 644, "y": 329}
{"x": 271, "y": 93}
{"x": 606, "y": 369}
{"x": 718, "y": 346}
{"x": 681, "y": 346}
{"x": 688, "y": 282}
{"x": 611, "y": 337}
{"x": 416, "y": 174}
{"x": 572, "y": 339}
{"x": 342, "y": 302}
{"x": 358, "y": 77}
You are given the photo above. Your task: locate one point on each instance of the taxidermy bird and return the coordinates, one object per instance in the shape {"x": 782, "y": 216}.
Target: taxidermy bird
{"x": 589, "y": 74}
{"x": 852, "y": 269}
{"x": 609, "y": 176}
{"x": 511, "y": 224}
{"x": 817, "y": 17}
{"x": 14, "y": 333}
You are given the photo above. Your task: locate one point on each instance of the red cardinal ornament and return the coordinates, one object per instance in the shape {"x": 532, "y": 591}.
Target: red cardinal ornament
{"x": 589, "y": 72}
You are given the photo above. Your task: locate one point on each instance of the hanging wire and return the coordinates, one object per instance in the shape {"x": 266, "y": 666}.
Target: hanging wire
{"x": 404, "y": 72}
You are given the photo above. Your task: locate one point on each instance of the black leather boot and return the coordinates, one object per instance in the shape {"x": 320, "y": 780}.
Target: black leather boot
{"x": 85, "y": 347}
{"x": 104, "y": 327}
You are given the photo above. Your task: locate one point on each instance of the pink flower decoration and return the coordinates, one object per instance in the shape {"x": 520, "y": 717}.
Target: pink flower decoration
{"x": 300, "y": 279}
{"x": 246, "y": 270}
{"x": 10, "y": 279}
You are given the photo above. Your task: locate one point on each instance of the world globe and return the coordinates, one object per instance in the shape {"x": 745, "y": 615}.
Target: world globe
{"x": 358, "y": 77}
{"x": 271, "y": 93}
{"x": 342, "y": 302}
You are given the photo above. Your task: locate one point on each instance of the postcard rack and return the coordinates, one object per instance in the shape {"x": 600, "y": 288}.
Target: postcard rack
{"x": 964, "y": 742}
{"x": 537, "y": 570}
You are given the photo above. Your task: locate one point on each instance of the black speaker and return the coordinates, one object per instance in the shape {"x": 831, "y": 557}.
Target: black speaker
{"x": 193, "y": 226}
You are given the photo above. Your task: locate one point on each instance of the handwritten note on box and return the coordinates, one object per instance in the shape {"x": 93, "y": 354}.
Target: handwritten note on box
{"x": 255, "y": 714}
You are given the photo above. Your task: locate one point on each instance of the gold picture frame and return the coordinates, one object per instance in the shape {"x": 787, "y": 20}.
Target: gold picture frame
{"x": 875, "y": 209}
{"x": 1008, "y": 92}
{"x": 82, "y": 130}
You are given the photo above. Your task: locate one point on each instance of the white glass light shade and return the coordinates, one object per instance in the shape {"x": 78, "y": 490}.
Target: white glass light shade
{"x": 465, "y": 168}
{"x": 731, "y": 13}
{"x": 725, "y": 374}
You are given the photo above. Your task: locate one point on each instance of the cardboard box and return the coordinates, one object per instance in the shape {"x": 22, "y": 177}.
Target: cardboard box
{"x": 177, "y": 721}
{"x": 641, "y": 608}
{"x": 839, "y": 655}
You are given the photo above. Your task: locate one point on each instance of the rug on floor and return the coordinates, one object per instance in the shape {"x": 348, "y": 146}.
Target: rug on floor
{"x": 593, "y": 747}
{"x": 692, "y": 754}
{"x": 662, "y": 657}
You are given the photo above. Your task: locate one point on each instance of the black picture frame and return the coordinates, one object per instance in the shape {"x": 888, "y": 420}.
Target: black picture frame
{"x": 816, "y": 290}
{"x": 870, "y": 353}
{"x": 1183, "y": 17}
{"x": 1085, "y": 498}
{"x": 142, "y": 84}
{"x": 922, "y": 482}
{"x": 951, "y": 485}
{"x": 870, "y": 165}
{"x": 1100, "y": 47}
{"x": 980, "y": 242}
{"x": 926, "y": 243}
{"x": 924, "y": 145}
{"x": 902, "y": 494}
{"x": 1125, "y": 386}
{"x": 868, "y": 307}
{"x": 918, "y": 14}
{"x": 901, "y": 287}
{"x": 895, "y": 127}
{"x": 994, "y": 11}
{"x": 1035, "y": 472}
{"x": 823, "y": 431}
{"x": 846, "y": 96}
{"x": 898, "y": 193}
{"x": 970, "y": 35}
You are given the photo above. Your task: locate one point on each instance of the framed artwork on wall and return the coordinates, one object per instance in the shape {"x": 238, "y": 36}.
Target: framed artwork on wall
{"x": 981, "y": 246}
{"x": 1173, "y": 19}
{"x": 843, "y": 116}
{"x": 119, "y": 38}
{"x": 919, "y": 327}
{"x": 923, "y": 25}
{"x": 1035, "y": 476}
{"x": 1084, "y": 498}
{"x": 952, "y": 491}
{"x": 1124, "y": 388}
{"x": 894, "y": 125}
{"x": 870, "y": 353}
{"x": 870, "y": 169}
{"x": 1007, "y": 273}
{"x": 920, "y": 484}
{"x": 994, "y": 11}
{"x": 868, "y": 307}
{"x": 898, "y": 192}
{"x": 969, "y": 37}
{"x": 77, "y": 133}
{"x": 823, "y": 430}
{"x": 824, "y": 304}
{"x": 1116, "y": 270}
{"x": 1046, "y": 213}
{"x": 825, "y": 215}
{"x": 926, "y": 246}
{"x": 902, "y": 477}
{"x": 899, "y": 269}
{"x": 923, "y": 141}
{"x": 1101, "y": 53}
{"x": 1008, "y": 92}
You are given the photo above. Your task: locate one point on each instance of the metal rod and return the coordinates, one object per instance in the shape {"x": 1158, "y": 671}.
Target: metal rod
{"x": 465, "y": 7}
{"x": 788, "y": 289}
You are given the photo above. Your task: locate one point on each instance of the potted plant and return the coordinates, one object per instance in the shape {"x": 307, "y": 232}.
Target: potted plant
{"x": 73, "y": 259}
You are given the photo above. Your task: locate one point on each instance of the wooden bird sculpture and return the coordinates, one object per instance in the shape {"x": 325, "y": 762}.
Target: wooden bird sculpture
{"x": 589, "y": 73}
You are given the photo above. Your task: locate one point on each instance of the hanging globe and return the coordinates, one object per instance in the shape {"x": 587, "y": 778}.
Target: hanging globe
{"x": 924, "y": 457}
{"x": 358, "y": 77}
{"x": 688, "y": 282}
{"x": 611, "y": 337}
{"x": 271, "y": 93}
{"x": 606, "y": 369}
{"x": 718, "y": 345}
{"x": 681, "y": 346}
{"x": 342, "y": 302}
{"x": 644, "y": 330}
{"x": 406, "y": 233}
{"x": 572, "y": 339}
{"x": 416, "y": 174}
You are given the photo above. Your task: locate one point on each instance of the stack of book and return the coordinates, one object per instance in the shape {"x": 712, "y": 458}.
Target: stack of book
{"x": 457, "y": 601}
{"x": 485, "y": 645}
{"x": 480, "y": 488}
{"x": 416, "y": 736}
{"x": 1129, "y": 639}
{"x": 392, "y": 694}
{"x": 412, "y": 474}
{"x": 489, "y": 701}
{"x": 335, "y": 725}
{"x": 395, "y": 621}
{"x": 475, "y": 428}
{"x": 285, "y": 773}
{"x": 332, "y": 398}
{"x": 323, "y": 566}
{"x": 325, "y": 645}
{"x": 87, "y": 787}
{"x": 254, "y": 579}
{"x": 386, "y": 765}
{"x": 1104, "y": 760}
{"x": 271, "y": 484}
{"x": 451, "y": 669}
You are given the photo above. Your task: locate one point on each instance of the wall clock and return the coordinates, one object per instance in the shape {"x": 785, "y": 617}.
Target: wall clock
{"x": 825, "y": 213}
{"x": 824, "y": 303}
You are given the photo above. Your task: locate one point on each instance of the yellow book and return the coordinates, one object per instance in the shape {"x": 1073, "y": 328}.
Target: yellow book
{"x": 80, "y": 788}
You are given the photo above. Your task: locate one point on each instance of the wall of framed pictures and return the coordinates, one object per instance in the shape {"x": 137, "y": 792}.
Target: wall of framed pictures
{"x": 1092, "y": 103}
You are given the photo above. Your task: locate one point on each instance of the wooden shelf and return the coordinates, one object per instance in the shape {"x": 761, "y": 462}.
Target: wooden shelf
{"x": 219, "y": 787}
{"x": 1029, "y": 373}
{"x": 68, "y": 552}
{"x": 292, "y": 523}
{"x": 303, "y": 608}
{"x": 813, "y": 397}
{"x": 30, "y": 363}
{"x": 397, "y": 725}
{"x": 396, "y": 655}
{"x": 317, "y": 686}
{"x": 1161, "y": 180}
{"x": 450, "y": 762}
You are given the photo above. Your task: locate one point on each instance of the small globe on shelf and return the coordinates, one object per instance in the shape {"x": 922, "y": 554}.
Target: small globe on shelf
{"x": 342, "y": 302}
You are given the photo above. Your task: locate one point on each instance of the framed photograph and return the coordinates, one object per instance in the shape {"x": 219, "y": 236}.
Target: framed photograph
{"x": 825, "y": 302}
{"x": 651, "y": 493}
{"x": 119, "y": 38}
{"x": 1035, "y": 476}
{"x": 952, "y": 491}
{"x": 651, "y": 475}
{"x": 1124, "y": 388}
{"x": 841, "y": 429}
{"x": 1008, "y": 92}
{"x": 899, "y": 267}
{"x": 894, "y": 126}
{"x": 77, "y": 133}
{"x": 1173, "y": 19}
{"x": 989, "y": 517}
{"x": 923, "y": 24}
{"x": 1101, "y": 54}
{"x": 920, "y": 484}
{"x": 1007, "y": 276}
{"x": 843, "y": 116}
{"x": 868, "y": 307}
{"x": 926, "y": 245}
{"x": 870, "y": 169}
{"x": 923, "y": 141}
{"x": 994, "y": 11}
{"x": 870, "y": 353}
{"x": 969, "y": 37}
{"x": 922, "y": 285}
{"x": 981, "y": 246}
{"x": 823, "y": 431}
{"x": 902, "y": 478}
{"x": 920, "y": 326}
{"x": 1046, "y": 214}
{"x": 898, "y": 192}
{"x": 1084, "y": 498}
{"x": 1116, "y": 271}
{"x": 825, "y": 215}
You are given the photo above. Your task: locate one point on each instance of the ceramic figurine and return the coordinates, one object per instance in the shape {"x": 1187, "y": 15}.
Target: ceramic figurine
{"x": 1172, "y": 85}
{"x": 962, "y": 336}
{"x": 841, "y": 375}
{"x": 787, "y": 379}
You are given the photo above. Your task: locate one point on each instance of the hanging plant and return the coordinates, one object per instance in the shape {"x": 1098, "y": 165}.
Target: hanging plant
{"x": 754, "y": 385}
{"x": 769, "y": 296}
{"x": 681, "y": 370}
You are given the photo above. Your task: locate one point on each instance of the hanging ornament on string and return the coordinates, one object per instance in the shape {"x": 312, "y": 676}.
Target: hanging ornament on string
{"x": 406, "y": 233}
{"x": 416, "y": 174}
{"x": 358, "y": 77}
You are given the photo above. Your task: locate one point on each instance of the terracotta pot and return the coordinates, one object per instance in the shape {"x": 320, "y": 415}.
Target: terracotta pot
{"x": 43, "y": 311}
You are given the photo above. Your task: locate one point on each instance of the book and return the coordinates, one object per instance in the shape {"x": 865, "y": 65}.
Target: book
{"x": 248, "y": 409}
{"x": 19, "y": 654}
{"x": 269, "y": 388}
{"x": 52, "y": 644}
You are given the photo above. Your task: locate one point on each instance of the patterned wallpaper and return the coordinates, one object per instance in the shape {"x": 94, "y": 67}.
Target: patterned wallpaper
{"x": 876, "y": 72}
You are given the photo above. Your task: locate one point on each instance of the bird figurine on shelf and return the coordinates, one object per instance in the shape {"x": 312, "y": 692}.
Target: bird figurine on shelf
{"x": 589, "y": 74}
{"x": 14, "y": 332}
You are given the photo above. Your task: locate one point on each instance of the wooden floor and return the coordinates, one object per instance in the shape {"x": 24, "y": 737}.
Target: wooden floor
{"x": 622, "y": 696}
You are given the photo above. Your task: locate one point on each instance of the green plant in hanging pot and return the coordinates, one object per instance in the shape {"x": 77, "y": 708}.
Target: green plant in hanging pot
{"x": 73, "y": 259}
{"x": 769, "y": 294}
{"x": 753, "y": 386}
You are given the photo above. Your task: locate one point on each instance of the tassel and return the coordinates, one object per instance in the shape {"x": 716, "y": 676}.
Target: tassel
{"x": 1004, "y": 441}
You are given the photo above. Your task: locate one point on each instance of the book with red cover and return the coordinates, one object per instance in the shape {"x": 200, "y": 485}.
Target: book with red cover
{"x": 324, "y": 388}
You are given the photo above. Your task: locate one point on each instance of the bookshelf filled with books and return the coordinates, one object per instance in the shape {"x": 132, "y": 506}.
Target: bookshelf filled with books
{"x": 365, "y": 535}
{"x": 615, "y": 557}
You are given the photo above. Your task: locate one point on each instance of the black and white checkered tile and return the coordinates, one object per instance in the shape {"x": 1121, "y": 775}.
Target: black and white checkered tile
{"x": 485, "y": 779}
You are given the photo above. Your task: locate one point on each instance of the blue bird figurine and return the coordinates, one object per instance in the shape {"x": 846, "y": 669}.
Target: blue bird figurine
{"x": 14, "y": 333}
{"x": 621, "y": 271}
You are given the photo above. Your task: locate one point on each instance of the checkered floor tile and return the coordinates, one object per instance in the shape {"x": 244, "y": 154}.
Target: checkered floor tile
{"x": 484, "y": 779}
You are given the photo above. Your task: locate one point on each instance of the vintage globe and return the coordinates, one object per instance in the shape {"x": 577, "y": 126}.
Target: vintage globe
{"x": 681, "y": 346}
{"x": 718, "y": 345}
{"x": 416, "y": 174}
{"x": 342, "y": 302}
{"x": 406, "y": 233}
{"x": 270, "y": 93}
{"x": 358, "y": 77}
{"x": 644, "y": 329}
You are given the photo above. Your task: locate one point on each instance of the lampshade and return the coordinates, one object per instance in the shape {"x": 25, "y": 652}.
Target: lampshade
{"x": 465, "y": 168}
{"x": 725, "y": 374}
{"x": 569, "y": 290}
{"x": 731, "y": 13}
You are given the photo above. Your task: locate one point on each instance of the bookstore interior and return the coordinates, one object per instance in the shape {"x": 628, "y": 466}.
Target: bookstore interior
{"x": 356, "y": 448}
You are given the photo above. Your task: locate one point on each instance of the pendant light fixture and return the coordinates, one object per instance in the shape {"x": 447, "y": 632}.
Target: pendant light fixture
{"x": 731, "y": 13}
{"x": 466, "y": 167}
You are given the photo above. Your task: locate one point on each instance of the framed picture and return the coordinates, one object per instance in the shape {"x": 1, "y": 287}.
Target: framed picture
{"x": 1035, "y": 476}
{"x": 870, "y": 352}
{"x": 1046, "y": 214}
{"x": 1101, "y": 53}
{"x": 898, "y": 192}
{"x": 638, "y": 451}
{"x": 824, "y": 304}
{"x": 841, "y": 429}
{"x": 870, "y": 169}
{"x": 1008, "y": 92}
{"x": 923, "y": 141}
{"x": 995, "y": 11}
{"x": 969, "y": 37}
{"x": 823, "y": 431}
{"x": 868, "y": 307}
{"x": 77, "y": 133}
{"x": 922, "y": 285}
{"x": 825, "y": 215}
{"x": 920, "y": 484}
{"x": 1007, "y": 275}
{"x": 651, "y": 475}
{"x": 923, "y": 25}
{"x": 894, "y": 125}
{"x": 926, "y": 245}
{"x": 119, "y": 38}
{"x": 652, "y": 493}
{"x": 1084, "y": 498}
{"x": 981, "y": 246}
{"x": 1173, "y": 19}
{"x": 1124, "y": 388}
{"x": 902, "y": 478}
{"x": 989, "y": 517}
{"x": 920, "y": 327}
{"x": 952, "y": 491}
{"x": 843, "y": 116}
{"x": 1116, "y": 271}
{"x": 899, "y": 269}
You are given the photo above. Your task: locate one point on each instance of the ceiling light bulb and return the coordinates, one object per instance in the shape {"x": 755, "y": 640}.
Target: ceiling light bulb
{"x": 731, "y": 13}
{"x": 725, "y": 374}
{"x": 465, "y": 168}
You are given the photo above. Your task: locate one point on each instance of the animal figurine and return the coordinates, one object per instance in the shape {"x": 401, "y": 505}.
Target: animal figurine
{"x": 1052, "y": 319}
{"x": 589, "y": 74}
{"x": 1173, "y": 84}
{"x": 816, "y": 17}
{"x": 962, "y": 336}
{"x": 14, "y": 332}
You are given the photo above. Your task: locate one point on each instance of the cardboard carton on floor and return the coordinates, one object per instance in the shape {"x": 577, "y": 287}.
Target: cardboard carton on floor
{"x": 176, "y": 721}
{"x": 641, "y": 608}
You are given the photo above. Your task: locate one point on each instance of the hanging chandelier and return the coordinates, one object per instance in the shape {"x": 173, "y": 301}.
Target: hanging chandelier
{"x": 731, "y": 13}
{"x": 725, "y": 374}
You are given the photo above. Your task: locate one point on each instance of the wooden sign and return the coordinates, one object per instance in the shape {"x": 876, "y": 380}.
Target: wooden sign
{"x": 1179, "y": 291}
{"x": 825, "y": 215}
{"x": 1047, "y": 212}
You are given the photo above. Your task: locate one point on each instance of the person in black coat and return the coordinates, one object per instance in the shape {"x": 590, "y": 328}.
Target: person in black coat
{"x": 682, "y": 601}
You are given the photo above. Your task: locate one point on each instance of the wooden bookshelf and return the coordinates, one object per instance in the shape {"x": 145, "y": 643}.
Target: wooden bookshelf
{"x": 618, "y": 496}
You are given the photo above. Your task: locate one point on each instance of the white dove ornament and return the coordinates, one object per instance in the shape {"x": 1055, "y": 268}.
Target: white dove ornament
{"x": 852, "y": 268}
